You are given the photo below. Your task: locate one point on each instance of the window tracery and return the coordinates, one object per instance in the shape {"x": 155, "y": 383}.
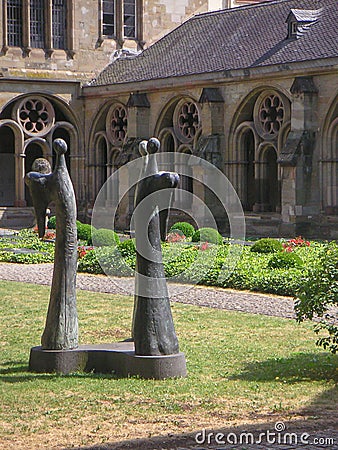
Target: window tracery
{"x": 35, "y": 115}
{"x": 117, "y": 124}
{"x": 186, "y": 120}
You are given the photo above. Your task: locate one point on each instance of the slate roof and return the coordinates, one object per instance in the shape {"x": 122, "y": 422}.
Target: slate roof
{"x": 238, "y": 38}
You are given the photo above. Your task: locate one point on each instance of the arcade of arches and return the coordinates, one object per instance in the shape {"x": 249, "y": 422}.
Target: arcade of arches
{"x": 277, "y": 144}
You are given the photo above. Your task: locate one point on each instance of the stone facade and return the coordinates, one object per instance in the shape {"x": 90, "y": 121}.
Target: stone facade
{"x": 272, "y": 128}
{"x": 34, "y": 76}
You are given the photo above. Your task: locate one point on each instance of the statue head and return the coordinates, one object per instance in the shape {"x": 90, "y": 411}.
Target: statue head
{"x": 59, "y": 146}
{"x": 153, "y": 146}
{"x": 41, "y": 165}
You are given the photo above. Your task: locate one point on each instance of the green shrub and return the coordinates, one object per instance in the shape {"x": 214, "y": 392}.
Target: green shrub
{"x": 104, "y": 237}
{"x": 127, "y": 248}
{"x": 267, "y": 245}
{"x": 84, "y": 232}
{"x": 207, "y": 235}
{"x": 51, "y": 224}
{"x": 186, "y": 228}
{"x": 317, "y": 293}
{"x": 282, "y": 260}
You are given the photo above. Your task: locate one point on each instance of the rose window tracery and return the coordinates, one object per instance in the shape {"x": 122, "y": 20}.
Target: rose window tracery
{"x": 271, "y": 114}
{"x": 117, "y": 124}
{"x": 187, "y": 121}
{"x": 36, "y": 116}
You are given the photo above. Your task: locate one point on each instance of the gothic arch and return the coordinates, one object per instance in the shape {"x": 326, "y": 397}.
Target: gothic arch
{"x": 19, "y": 166}
{"x": 261, "y": 121}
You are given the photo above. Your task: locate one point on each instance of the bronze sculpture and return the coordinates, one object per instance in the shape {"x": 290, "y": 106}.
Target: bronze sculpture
{"x": 153, "y": 328}
{"x": 61, "y": 330}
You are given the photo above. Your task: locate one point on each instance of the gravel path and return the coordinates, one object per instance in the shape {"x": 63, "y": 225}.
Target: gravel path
{"x": 269, "y": 305}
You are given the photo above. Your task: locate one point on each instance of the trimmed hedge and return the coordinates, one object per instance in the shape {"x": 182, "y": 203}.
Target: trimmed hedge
{"x": 207, "y": 235}
{"x": 84, "y": 232}
{"x": 282, "y": 260}
{"x": 267, "y": 245}
{"x": 186, "y": 228}
{"x": 105, "y": 238}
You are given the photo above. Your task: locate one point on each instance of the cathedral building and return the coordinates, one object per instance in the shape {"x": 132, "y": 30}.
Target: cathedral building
{"x": 252, "y": 88}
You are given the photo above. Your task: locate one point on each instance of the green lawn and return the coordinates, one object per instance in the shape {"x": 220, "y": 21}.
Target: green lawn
{"x": 243, "y": 368}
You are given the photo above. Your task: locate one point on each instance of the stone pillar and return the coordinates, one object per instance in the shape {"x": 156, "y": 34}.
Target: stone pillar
{"x": 300, "y": 187}
{"x": 138, "y": 116}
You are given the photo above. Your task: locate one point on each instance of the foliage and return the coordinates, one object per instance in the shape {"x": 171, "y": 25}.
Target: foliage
{"x": 318, "y": 291}
{"x": 281, "y": 260}
{"x": 26, "y": 248}
{"x": 267, "y": 245}
{"x": 107, "y": 260}
{"x": 84, "y": 232}
{"x": 207, "y": 235}
{"x": 51, "y": 224}
{"x": 104, "y": 237}
{"x": 187, "y": 229}
{"x": 127, "y": 248}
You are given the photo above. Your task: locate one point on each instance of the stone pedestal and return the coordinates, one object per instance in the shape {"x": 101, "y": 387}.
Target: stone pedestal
{"x": 118, "y": 358}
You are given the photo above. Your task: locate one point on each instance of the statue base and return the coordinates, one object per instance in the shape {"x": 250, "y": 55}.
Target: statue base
{"x": 118, "y": 358}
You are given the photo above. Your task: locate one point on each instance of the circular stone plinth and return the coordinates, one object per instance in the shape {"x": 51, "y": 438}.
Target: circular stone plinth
{"x": 118, "y": 358}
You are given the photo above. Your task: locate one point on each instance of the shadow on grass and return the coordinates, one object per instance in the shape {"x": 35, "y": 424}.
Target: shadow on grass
{"x": 11, "y": 370}
{"x": 266, "y": 434}
{"x": 298, "y": 368}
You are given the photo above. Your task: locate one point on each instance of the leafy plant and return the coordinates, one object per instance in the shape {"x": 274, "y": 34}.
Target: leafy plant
{"x": 187, "y": 229}
{"x": 267, "y": 245}
{"x": 84, "y": 232}
{"x": 207, "y": 235}
{"x": 317, "y": 293}
{"x": 281, "y": 260}
{"x": 127, "y": 248}
{"x": 105, "y": 238}
{"x": 51, "y": 224}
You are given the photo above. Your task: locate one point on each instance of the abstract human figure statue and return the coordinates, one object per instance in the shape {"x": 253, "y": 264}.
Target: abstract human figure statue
{"x": 153, "y": 327}
{"x": 61, "y": 330}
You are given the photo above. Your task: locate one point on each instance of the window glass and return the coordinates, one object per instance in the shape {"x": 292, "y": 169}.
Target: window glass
{"x": 37, "y": 24}
{"x": 14, "y": 23}
{"x": 108, "y": 7}
{"x": 59, "y": 23}
{"x": 129, "y": 18}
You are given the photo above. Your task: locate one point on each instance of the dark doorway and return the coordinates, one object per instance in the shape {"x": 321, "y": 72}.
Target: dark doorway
{"x": 7, "y": 167}
{"x": 272, "y": 190}
{"x": 249, "y": 171}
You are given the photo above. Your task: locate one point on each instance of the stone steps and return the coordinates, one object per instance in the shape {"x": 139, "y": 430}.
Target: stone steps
{"x": 15, "y": 217}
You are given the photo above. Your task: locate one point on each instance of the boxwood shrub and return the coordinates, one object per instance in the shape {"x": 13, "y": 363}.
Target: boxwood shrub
{"x": 207, "y": 235}
{"x": 187, "y": 229}
{"x": 267, "y": 245}
{"x": 104, "y": 237}
{"x": 282, "y": 260}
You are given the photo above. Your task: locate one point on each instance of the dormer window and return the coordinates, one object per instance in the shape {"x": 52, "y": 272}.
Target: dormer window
{"x": 293, "y": 28}
{"x": 300, "y": 20}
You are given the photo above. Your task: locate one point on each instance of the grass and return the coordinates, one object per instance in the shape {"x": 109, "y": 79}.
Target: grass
{"x": 243, "y": 368}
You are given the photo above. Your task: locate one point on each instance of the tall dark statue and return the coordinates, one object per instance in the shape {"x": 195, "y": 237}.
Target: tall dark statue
{"x": 153, "y": 327}
{"x": 61, "y": 330}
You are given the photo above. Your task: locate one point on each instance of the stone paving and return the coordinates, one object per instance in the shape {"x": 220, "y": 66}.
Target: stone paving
{"x": 196, "y": 295}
